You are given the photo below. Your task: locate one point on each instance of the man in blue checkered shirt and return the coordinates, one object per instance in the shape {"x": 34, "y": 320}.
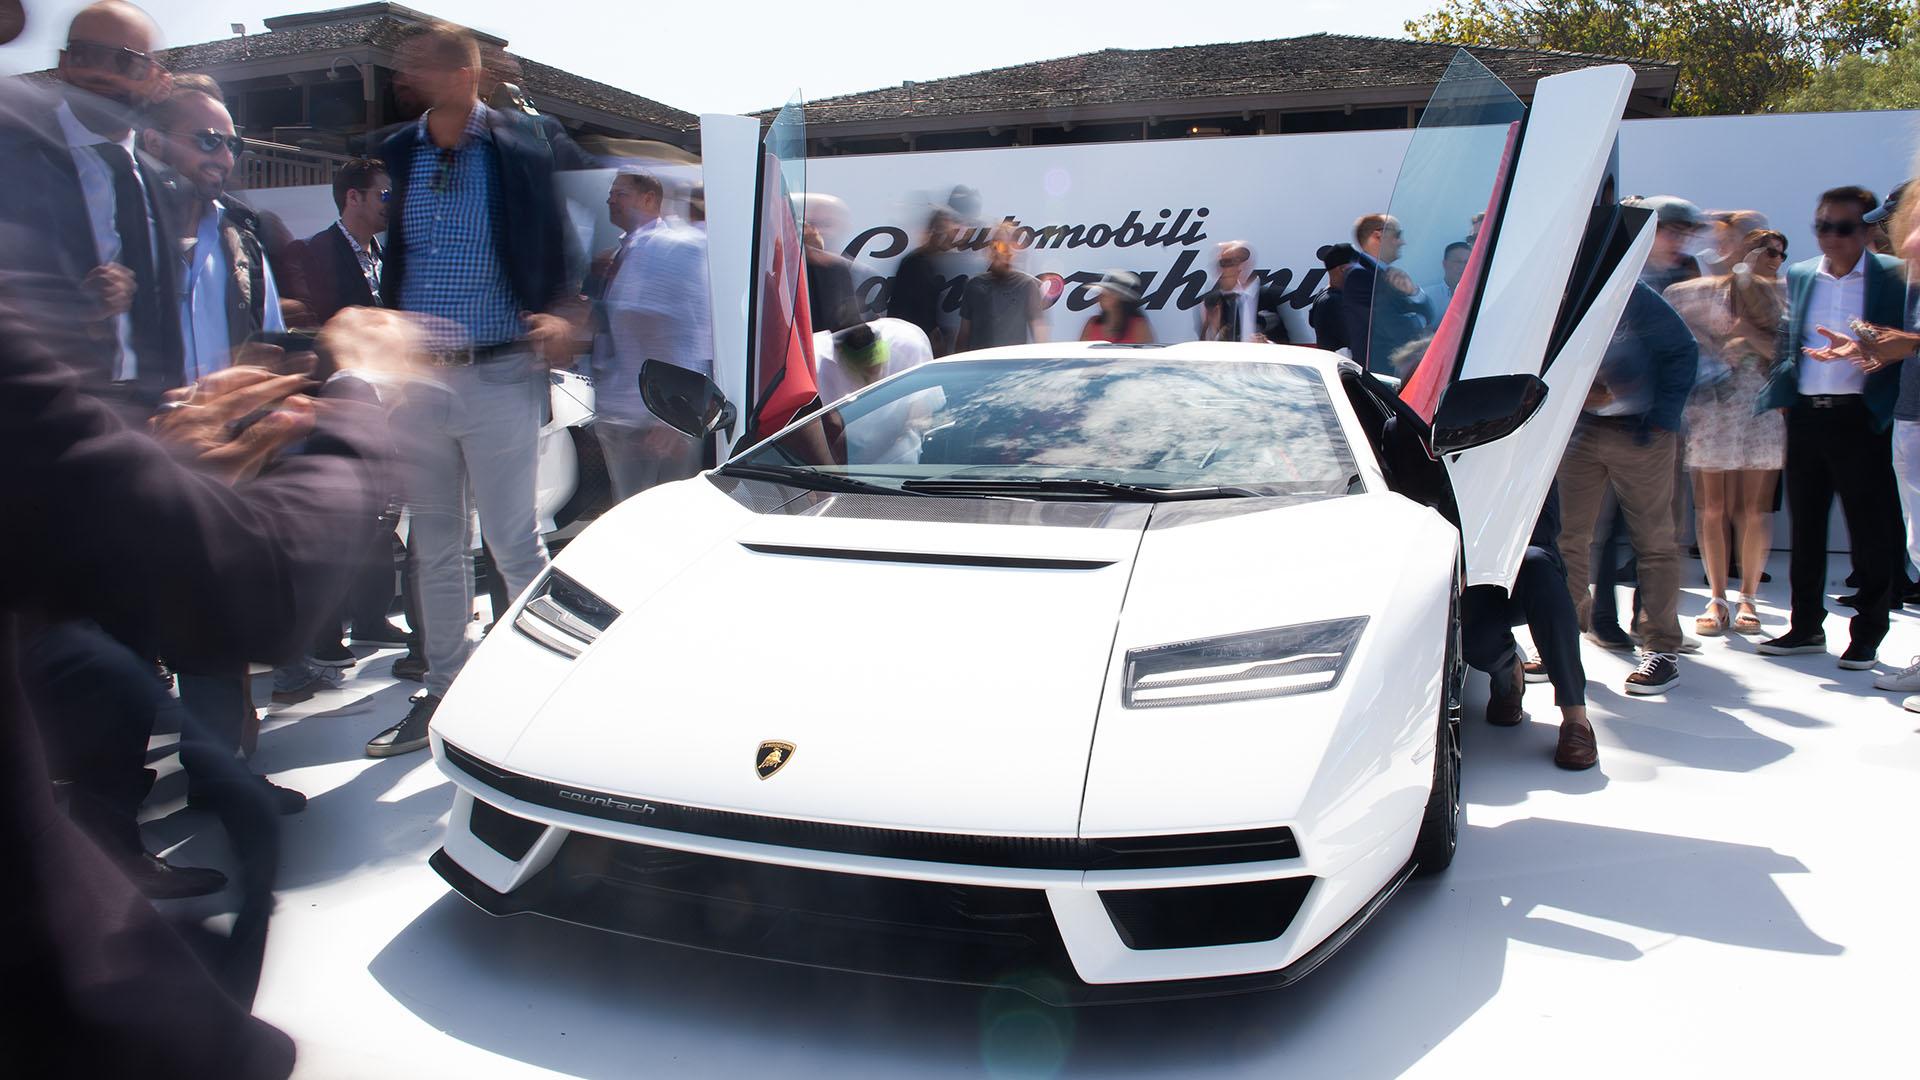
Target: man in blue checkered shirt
{"x": 475, "y": 248}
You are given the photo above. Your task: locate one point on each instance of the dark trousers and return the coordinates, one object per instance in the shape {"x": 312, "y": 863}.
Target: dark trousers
{"x": 96, "y": 701}
{"x": 216, "y": 708}
{"x": 1839, "y": 450}
{"x": 1539, "y": 599}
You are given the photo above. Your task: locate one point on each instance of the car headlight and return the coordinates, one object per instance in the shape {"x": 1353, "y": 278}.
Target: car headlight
{"x": 1279, "y": 662}
{"x": 564, "y": 615}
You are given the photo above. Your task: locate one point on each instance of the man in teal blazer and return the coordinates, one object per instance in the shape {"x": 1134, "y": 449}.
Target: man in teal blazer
{"x": 1839, "y": 420}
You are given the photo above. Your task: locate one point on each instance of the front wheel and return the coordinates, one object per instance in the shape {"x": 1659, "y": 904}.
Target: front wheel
{"x": 1440, "y": 825}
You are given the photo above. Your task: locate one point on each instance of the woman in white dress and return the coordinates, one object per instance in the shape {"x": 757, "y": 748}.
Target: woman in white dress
{"x": 1735, "y": 456}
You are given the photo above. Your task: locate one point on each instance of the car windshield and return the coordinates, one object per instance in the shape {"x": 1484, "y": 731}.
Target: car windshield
{"x": 1082, "y": 427}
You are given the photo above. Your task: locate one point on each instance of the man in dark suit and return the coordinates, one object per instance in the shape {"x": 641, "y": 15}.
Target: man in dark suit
{"x": 205, "y": 564}
{"x": 1241, "y": 306}
{"x": 476, "y": 245}
{"x": 76, "y": 182}
{"x": 342, "y": 262}
{"x": 1839, "y": 419}
{"x": 1385, "y": 310}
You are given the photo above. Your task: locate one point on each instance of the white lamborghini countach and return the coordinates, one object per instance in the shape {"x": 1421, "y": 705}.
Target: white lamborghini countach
{"x": 1102, "y": 672}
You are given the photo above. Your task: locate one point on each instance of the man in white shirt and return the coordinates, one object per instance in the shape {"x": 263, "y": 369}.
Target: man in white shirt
{"x": 861, "y": 355}
{"x": 227, "y": 293}
{"x": 109, "y": 72}
{"x": 652, "y": 305}
{"x": 1838, "y": 422}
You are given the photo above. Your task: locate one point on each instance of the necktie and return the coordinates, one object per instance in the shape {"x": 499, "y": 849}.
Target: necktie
{"x": 1230, "y": 316}
{"x": 156, "y": 356}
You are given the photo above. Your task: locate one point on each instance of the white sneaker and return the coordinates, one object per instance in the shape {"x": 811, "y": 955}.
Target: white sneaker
{"x": 1906, "y": 680}
{"x": 1911, "y": 704}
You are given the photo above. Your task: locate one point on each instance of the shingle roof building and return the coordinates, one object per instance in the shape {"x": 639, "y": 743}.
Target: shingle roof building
{"x": 1318, "y": 82}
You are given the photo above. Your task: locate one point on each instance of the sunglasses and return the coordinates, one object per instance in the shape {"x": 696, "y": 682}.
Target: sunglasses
{"x": 1837, "y": 228}
{"x": 1232, "y": 261}
{"x": 443, "y": 180}
{"x": 1774, "y": 253}
{"x": 210, "y": 141}
{"x": 384, "y": 194}
{"x": 127, "y": 63}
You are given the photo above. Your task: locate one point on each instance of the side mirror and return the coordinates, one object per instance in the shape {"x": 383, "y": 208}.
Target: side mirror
{"x": 1475, "y": 412}
{"x": 688, "y": 401}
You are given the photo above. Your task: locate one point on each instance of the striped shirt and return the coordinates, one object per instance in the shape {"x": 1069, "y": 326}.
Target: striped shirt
{"x": 454, "y": 271}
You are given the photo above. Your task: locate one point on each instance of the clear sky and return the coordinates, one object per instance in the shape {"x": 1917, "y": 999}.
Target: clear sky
{"x": 733, "y": 56}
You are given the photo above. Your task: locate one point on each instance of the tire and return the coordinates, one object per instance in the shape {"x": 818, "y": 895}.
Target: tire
{"x": 1440, "y": 825}
{"x": 593, "y": 490}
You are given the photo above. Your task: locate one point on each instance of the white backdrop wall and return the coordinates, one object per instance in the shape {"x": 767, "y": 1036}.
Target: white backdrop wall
{"x": 1157, "y": 208}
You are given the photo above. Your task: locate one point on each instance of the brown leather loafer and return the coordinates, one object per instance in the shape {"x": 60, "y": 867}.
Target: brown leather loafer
{"x": 1577, "y": 750}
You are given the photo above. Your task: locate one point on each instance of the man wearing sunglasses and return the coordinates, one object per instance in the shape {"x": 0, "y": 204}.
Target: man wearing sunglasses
{"x": 228, "y": 296}
{"x": 342, "y": 262}
{"x": 1838, "y": 421}
{"x": 77, "y": 183}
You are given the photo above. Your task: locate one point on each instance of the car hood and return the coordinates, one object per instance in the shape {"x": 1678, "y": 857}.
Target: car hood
{"x": 934, "y": 663}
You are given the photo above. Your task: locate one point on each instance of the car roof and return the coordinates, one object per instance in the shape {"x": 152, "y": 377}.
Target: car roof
{"x": 1241, "y": 352}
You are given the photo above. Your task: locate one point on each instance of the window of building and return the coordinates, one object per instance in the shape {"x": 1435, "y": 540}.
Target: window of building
{"x": 1375, "y": 119}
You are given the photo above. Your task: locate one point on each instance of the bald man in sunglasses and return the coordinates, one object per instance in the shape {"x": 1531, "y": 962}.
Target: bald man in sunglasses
{"x": 1839, "y": 417}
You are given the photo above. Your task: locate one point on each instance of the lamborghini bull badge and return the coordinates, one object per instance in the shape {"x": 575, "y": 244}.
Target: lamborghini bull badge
{"x": 772, "y": 757}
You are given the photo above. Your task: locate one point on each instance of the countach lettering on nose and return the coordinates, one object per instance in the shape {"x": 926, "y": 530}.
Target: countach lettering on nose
{"x": 607, "y": 802}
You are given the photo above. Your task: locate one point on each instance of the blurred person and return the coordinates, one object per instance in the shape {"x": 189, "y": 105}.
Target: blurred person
{"x": 1328, "y": 315}
{"x": 1627, "y": 440}
{"x": 227, "y": 293}
{"x": 653, "y": 306}
{"x": 859, "y": 356}
{"x": 94, "y": 204}
{"x": 1882, "y": 240}
{"x": 1240, "y": 306}
{"x": 342, "y": 267}
{"x": 343, "y": 261}
{"x": 830, "y": 302}
{"x": 1453, "y": 266}
{"x": 697, "y": 207}
{"x": 1002, "y": 306}
{"x": 214, "y": 562}
{"x": 1728, "y": 231}
{"x": 865, "y": 353}
{"x": 1539, "y": 599}
{"x": 1373, "y": 282}
{"x": 1121, "y": 317}
{"x": 501, "y": 79}
{"x": 1839, "y": 419}
{"x": 475, "y": 247}
{"x": 1735, "y": 456}
{"x": 919, "y": 284}
{"x": 1679, "y": 224}
{"x": 227, "y": 299}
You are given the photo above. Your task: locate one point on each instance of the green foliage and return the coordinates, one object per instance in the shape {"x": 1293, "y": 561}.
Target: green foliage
{"x": 1735, "y": 56}
{"x": 1884, "y": 80}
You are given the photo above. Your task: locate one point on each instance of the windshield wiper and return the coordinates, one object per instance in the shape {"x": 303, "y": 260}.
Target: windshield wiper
{"x": 1073, "y": 487}
{"x": 801, "y": 476}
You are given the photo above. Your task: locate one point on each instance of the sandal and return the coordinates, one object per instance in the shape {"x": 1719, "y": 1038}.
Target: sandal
{"x": 1747, "y": 621}
{"x": 1714, "y": 621}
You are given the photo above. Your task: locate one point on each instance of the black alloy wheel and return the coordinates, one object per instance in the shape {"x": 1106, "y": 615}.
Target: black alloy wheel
{"x": 1439, "y": 835}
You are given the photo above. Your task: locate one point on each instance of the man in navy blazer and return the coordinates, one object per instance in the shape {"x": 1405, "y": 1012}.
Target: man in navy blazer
{"x": 1839, "y": 420}
{"x": 1384, "y": 308}
{"x": 476, "y": 248}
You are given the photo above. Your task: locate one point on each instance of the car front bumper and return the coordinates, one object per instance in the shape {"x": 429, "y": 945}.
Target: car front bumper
{"x": 1064, "y": 935}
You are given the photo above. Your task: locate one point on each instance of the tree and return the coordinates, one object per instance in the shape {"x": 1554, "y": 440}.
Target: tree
{"x": 1885, "y": 80}
{"x": 1735, "y": 56}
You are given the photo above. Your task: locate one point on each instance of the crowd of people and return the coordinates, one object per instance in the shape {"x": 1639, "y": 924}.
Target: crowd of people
{"x": 221, "y": 430}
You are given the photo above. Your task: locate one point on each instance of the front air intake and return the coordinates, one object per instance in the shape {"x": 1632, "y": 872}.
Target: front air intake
{"x": 1205, "y": 915}
{"x": 563, "y": 615}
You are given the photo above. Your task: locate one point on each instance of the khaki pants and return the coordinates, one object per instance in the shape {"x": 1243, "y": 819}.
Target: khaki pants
{"x": 1642, "y": 477}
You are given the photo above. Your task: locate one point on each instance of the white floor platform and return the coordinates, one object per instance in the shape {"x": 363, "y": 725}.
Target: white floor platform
{"x": 1732, "y": 892}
